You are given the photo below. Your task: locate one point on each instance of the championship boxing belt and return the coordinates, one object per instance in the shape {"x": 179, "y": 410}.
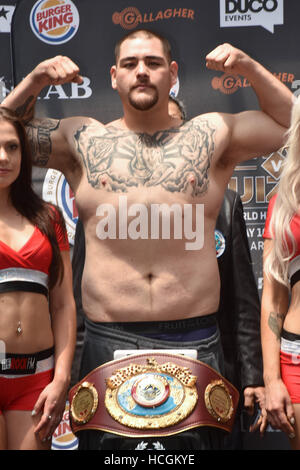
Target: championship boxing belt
{"x": 152, "y": 395}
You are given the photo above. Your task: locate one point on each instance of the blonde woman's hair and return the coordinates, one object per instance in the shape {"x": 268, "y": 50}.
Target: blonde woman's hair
{"x": 286, "y": 205}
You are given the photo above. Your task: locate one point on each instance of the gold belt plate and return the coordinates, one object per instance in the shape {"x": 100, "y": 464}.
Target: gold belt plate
{"x": 84, "y": 403}
{"x": 151, "y": 396}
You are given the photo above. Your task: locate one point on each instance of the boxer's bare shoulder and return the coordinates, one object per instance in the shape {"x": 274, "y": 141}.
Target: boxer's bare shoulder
{"x": 122, "y": 159}
{"x": 50, "y": 138}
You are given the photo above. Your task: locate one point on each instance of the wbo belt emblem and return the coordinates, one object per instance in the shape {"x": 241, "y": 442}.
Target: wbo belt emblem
{"x": 151, "y": 396}
{"x": 218, "y": 401}
{"x": 84, "y": 403}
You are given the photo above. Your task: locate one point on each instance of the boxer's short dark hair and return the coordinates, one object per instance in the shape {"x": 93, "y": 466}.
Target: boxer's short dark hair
{"x": 147, "y": 34}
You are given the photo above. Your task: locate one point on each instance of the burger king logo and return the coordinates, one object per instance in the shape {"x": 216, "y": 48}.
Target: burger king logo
{"x": 54, "y": 21}
{"x": 63, "y": 438}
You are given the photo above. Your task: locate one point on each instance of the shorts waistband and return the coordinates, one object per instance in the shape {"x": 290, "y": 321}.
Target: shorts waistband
{"x": 290, "y": 336}
{"x": 170, "y": 326}
{"x": 15, "y": 365}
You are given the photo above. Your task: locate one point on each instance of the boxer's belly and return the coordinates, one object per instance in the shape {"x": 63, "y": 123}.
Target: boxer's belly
{"x": 150, "y": 284}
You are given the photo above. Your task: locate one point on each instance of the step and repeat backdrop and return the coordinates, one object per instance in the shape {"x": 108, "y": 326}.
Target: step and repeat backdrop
{"x": 86, "y": 31}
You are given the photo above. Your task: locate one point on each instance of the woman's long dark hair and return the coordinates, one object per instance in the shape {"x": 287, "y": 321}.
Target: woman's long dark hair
{"x": 29, "y": 204}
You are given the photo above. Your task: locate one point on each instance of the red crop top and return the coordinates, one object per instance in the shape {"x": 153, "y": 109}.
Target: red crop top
{"x": 27, "y": 269}
{"x": 294, "y": 264}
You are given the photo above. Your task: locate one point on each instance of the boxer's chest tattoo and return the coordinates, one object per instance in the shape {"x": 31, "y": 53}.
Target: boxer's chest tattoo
{"x": 174, "y": 159}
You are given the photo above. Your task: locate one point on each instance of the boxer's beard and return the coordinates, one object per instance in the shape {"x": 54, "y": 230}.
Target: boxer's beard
{"x": 143, "y": 103}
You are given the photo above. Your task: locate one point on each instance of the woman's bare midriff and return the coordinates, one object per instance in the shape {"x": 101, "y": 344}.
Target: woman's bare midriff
{"x": 30, "y": 313}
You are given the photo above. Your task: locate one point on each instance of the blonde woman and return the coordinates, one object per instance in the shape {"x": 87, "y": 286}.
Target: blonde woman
{"x": 280, "y": 315}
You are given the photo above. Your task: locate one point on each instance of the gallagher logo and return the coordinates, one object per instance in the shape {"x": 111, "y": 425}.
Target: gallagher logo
{"x": 229, "y": 84}
{"x": 131, "y": 17}
{"x": 54, "y": 21}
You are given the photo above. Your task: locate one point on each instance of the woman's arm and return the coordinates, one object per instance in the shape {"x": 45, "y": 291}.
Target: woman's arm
{"x": 52, "y": 400}
{"x": 274, "y": 307}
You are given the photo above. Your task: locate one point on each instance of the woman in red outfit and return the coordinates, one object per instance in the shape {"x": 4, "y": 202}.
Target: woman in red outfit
{"x": 37, "y": 309}
{"x": 280, "y": 315}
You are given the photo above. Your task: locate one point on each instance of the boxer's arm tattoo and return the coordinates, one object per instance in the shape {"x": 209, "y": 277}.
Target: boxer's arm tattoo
{"x": 275, "y": 322}
{"x": 166, "y": 158}
{"x": 38, "y": 131}
{"x": 26, "y": 110}
{"x": 39, "y": 135}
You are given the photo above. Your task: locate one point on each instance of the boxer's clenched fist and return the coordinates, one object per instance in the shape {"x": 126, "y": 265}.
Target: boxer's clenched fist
{"x": 227, "y": 58}
{"x": 56, "y": 71}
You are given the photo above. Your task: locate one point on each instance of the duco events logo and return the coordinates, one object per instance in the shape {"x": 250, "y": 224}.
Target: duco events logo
{"x": 131, "y": 17}
{"x": 265, "y": 13}
{"x": 54, "y": 21}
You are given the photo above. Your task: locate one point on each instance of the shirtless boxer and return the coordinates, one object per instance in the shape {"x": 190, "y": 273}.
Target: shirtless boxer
{"x": 147, "y": 287}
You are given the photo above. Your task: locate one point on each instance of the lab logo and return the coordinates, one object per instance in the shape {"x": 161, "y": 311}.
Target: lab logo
{"x": 264, "y": 13}
{"x": 56, "y": 190}
{"x": 220, "y": 243}
{"x": 54, "y": 21}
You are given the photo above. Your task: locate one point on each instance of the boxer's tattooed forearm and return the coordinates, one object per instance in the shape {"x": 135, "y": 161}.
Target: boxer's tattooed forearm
{"x": 275, "y": 322}
{"x": 168, "y": 158}
{"x": 26, "y": 110}
{"x": 39, "y": 134}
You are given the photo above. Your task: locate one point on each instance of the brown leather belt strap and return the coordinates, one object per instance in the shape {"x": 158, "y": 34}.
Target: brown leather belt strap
{"x": 171, "y": 393}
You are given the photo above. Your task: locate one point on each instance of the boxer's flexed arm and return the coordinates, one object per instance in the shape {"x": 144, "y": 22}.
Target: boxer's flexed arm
{"x": 254, "y": 132}
{"x": 50, "y": 139}
{"x": 55, "y": 71}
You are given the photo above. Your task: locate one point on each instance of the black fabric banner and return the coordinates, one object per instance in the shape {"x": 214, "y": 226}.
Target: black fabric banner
{"x": 86, "y": 31}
